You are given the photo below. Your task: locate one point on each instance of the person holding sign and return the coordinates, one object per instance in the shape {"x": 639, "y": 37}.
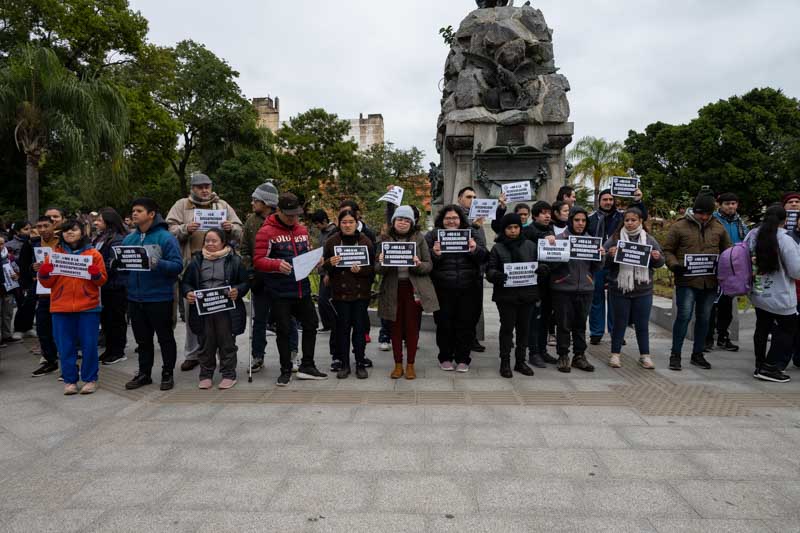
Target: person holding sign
{"x": 151, "y": 293}
{"x": 405, "y": 291}
{"x": 113, "y": 320}
{"x": 630, "y": 288}
{"x": 46, "y": 243}
{"x": 455, "y": 276}
{"x": 572, "y": 286}
{"x": 10, "y": 272}
{"x": 791, "y": 202}
{"x": 542, "y": 318}
{"x": 214, "y": 267}
{"x": 75, "y": 307}
{"x": 697, "y": 232}
{"x": 190, "y": 235}
{"x": 773, "y": 294}
{"x": 514, "y": 304}
{"x": 350, "y": 289}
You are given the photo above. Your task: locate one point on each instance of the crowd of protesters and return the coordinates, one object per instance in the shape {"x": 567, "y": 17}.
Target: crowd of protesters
{"x": 72, "y": 314}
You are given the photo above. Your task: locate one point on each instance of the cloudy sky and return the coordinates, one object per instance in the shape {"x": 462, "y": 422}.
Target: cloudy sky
{"x": 629, "y": 62}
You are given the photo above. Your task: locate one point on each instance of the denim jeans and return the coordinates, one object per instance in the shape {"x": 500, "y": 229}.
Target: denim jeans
{"x": 687, "y": 299}
{"x": 601, "y": 311}
{"x": 70, "y": 331}
{"x": 626, "y": 309}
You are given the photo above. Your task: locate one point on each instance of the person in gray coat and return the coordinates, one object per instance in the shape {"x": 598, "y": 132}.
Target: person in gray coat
{"x": 631, "y": 288}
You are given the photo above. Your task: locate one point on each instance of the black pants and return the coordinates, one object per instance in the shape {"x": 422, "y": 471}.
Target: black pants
{"x": 455, "y": 326}
{"x": 148, "y": 319}
{"x": 113, "y": 320}
{"x": 514, "y": 317}
{"x": 477, "y": 309}
{"x": 783, "y": 329}
{"x": 44, "y": 330}
{"x": 327, "y": 315}
{"x": 350, "y": 322}
{"x": 303, "y": 310}
{"x": 26, "y": 310}
{"x": 541, "y": 319}
{"x": 721, "y": 318}
{"x": 571, "y": 309}
{"x": 217, "y": 338}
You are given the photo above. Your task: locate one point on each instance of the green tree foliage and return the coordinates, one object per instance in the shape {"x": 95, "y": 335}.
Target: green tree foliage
{"x": 747, "y": 144}
{"x": 45, "y": 105}
{"x": 598, "y": 159}
{"x": 238, "y": 177}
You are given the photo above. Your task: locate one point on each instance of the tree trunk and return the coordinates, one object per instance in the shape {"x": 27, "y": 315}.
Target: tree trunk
{"x": 32, "y": 184}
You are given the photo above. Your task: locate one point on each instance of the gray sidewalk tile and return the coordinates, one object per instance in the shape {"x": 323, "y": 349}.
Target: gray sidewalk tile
{"x": 663, "y": 525}
{"x": 617, "y": 416}
{"x": 423, "y": 493}
{"x": 736, "y": 499}
{"x": 567, "y": 463}
{"x": 203, "y": 490}
{"x": 746, "y": 465}
{"x": 321, "y": 493}
{"x": 665, "y": 438}
{"x": 508, "y": 436}
{"x": 649, "y": 464}
{"x": 506, "y": 493}
{"x": 128, "y": 490}
{"x": 582, "y": 437}
{"x": 60, "y": 521}
{"x": 381, "y": 459}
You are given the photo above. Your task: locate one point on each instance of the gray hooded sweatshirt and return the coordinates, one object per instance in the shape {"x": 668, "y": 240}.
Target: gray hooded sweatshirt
{"x": 775, "y": 292}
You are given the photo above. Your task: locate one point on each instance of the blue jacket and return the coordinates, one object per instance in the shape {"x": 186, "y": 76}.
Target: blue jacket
{"x": 157, "y": 285}
{"x": 734, "y": 226}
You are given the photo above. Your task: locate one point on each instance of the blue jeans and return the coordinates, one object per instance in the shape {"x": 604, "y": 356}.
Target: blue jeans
{"x": 687, "y": 299}
{"x": 385, "y": 335}
{"x": 44, "y": 330}
{"x": 597, "y": 314}
{"x": 626, "y": 309}
{"x": 71, "y": 330}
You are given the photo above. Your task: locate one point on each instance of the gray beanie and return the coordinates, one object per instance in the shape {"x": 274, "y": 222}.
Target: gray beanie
{"x": 404, "y": 211}
{"x": 267, "y": 193}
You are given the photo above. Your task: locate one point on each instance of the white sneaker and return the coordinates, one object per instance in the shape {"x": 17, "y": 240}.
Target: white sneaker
{"x": 384, "y": 347}
{"x": 17, "y": 336}
{"x": 646, "y": 362}
{"x": 30, "y": 333}
{"x": 295, "y": 362}
{"x": 613, "y": 361}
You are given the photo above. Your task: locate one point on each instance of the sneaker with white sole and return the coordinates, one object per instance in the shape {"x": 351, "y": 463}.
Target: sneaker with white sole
{"x": 447, "y": 366}
{"x": 384, "y": 346}
{"x": 284, "y": 379}
{"x": 17, "y": 336}
{"x": 646, "y": 362}
{"x": 310, "y": 372}
{"x": 31, "y": 333}
{"x": 462, "y": 367}
{"x": 613, "y": 361}
{"x": 775, "y": 376}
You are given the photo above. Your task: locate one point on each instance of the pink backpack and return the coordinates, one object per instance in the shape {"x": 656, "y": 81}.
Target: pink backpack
{"x": 735, "y": 270}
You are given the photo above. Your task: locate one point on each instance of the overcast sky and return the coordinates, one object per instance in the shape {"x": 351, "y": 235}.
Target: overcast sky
{"x": 629, "y": 62}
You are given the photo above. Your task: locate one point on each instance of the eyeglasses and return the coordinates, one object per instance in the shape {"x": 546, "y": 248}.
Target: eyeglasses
{"x": 452, "y": 218}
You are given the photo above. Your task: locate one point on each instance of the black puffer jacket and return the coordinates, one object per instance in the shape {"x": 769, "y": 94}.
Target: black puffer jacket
{"x": 104, "y": 244}
{"x": 235, "y": 276}
{"x": 505, "y": 251}
{"x": 457, "y": 271}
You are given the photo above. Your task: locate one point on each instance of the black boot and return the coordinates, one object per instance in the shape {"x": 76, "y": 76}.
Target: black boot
{"x": 675, "y": 362}
{"x": 698, "y": 359}
{"x": 726, "y": 344}
{"x": 549, "y": 359}
{"x": 563, "y": 364}
{"x": 579, "y": 361}
{"x": 505, "y": 367}
{"x": 536, "y": 360}
{"x": 167, "y": 381}
{"x": 521, "y": 366}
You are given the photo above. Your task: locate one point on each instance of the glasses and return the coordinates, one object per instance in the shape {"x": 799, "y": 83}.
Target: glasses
{"x": 452, "y": 218}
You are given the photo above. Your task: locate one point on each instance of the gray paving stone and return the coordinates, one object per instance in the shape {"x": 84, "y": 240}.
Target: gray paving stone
{"x": 544, "y": 382}
{"x": 429, "y": 434}
{"x": 230, "y": 493}
{"x": 60, "y": 521}
{"x": 649, "y": 464}
{"x": 390, "y": 414}
{"x": 745, "y": 465}
{"x": 11, "y": 446}
{"x": 214, "y": 459}
{"x": 617, "y": 416}
{"x": 136, "y": 521}
{"x": 321, "y": 493}
{"x": 243, "y": 522}
{"x": 342, "y": 522}
{"x": 735, "y": 499}
{"x": 597, "y": 384}
{"x": 461, "y": 414}
{"x": 198, "y": 412}
{"x": 507, "y": 436}
{"x": 175, "y": 431}
{"x": 423, "y": 494}
{"x": 506, "y": 493}
{"x": 126, "y": 490}
{"x": 124, "y": 457}
{"x": 474, "y": 459}
{"x": 257, "y": 433}
{"x": 559, "y": 523}
{"x": 582, "y": 437}
{"x": 663, "y": 525}
{"x": 255, "y": 413}
{"x": 321, "y": 414}
{"x": 39, "y": 428}
{"x": 427, "y": 384}
{"x": 346, "y": 434}
{"x": 783, "y": 526}
{"x": 531, "y": 415}
{"x": 571, "y": 463}
{"x": 666, "y": 438}
{"x": 380, "y": 459}
{"x": 642, "y": 498}
{"x": 25, "y": 491}
{"x": 735, "y": 438}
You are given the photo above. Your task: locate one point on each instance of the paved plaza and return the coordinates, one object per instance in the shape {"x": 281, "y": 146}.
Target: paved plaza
{"x": 615, "y": 450}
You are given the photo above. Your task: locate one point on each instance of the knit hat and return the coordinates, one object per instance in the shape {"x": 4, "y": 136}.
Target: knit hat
{"x": 790, "y": 196}
{"x": 510, "y": 219}
{"x": 404, "y": 211}
{"x": 267, "y": 193}
{"x": 727, "y": 197}
{"x": 704, "y": 204}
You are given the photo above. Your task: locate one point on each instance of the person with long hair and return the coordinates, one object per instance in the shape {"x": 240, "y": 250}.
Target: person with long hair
{"x": 114, "y": 295}
{"x": 75, "y": 308}
{"x": 406, "y": 291}
{"x": 454, "y": 276}
{"x": 631, "y": 288}
{"x": 560, "y": 217}
{"x": 214, "y": 267}
{"x": 776, "y": 264}
{"x": 350, "y": 289}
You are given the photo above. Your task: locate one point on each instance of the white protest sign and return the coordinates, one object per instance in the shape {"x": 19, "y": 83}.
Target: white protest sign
{"x": 624, "y": 186}
{"x": 210, "y": 218}
{"x": 393, "y": 196}
{"x": 558, "y": 252}
{"x": 700, "y": 264}
{"x": 519, "y": 191}
{"x": 8, "y": 281}
{"x": 40, "y": 253}
{"x": 305, "y": 263}
{"x": 71, "y": 266}
{"x": 791, "y": 220}
{"x": 483, "y": 208}
{"x": 210, "y": 301}
{"x": 521, "y": 274}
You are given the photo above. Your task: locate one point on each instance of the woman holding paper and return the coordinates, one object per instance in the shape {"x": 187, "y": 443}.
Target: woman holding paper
{"x": 630, "y": 288}
{"x": 514, "y": 301}
{"x": 351, "y": 288}
{"x": 75, "y": 307}
{"x": 406, "y": 291}
{"x": 455, "y": 276}
{"x": 214, "y": 267}
{"x": 114, "y": 295}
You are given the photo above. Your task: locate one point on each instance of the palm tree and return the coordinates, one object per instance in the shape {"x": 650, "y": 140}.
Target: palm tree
{"x": 599, "y": 159}
{"x": 48, "y": 105}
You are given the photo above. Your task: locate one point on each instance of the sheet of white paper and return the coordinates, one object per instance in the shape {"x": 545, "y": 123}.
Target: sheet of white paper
{"x": 483, "y": 208}
{"x": 519, "y": 191}
{"x": 394, "y": 196}
{"x": 304, "y": 264}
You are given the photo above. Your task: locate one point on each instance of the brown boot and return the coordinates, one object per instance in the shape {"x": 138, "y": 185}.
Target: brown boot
{"x": 410, "y": 373}
{"x": 397, "y": 373}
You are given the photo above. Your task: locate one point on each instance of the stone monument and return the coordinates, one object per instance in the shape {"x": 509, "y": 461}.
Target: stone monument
{"x": 504, "y": 115}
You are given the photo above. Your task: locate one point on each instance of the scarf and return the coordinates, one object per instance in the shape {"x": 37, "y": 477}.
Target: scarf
{"x": 213, "y": 256}
{"x": 203, "y": 204}
{"x": 629, "y": 275}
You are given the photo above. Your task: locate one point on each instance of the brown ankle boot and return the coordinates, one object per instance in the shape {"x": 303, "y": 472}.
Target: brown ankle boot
{"x": 397, "y": 373}
{"x": 410, "y": 373}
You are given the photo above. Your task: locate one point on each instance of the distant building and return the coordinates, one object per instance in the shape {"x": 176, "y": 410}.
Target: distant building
{"x": 366, "y": 132}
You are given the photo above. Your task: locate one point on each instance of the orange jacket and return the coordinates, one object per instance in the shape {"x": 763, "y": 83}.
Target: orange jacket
{"x": 76, "y": 295}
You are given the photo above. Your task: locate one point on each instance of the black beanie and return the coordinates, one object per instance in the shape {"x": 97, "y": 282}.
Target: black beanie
{"x": 508, "y": 220}
{"x": 727, "y": 197}
{"x": 704, "y": 204}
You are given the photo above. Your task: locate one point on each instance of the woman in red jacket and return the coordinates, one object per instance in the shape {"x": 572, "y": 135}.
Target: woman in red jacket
{"x": 75, "y": 306}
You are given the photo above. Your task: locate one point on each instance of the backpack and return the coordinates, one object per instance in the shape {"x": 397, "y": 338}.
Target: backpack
{"x": 735, "y": 270}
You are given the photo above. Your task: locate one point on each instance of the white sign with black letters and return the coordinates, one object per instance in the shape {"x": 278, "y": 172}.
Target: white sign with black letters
{"x": 483, "y": 208}
{"x": 633, "y": 253}
{"x": 700, "y": 264}
{"x": 624, "y": 186}
{"x": 521, "y": 274}
{"x": 40, "y": 253}
{"x": 558, "y": 252}
{"x": 519, "y": 191}
{"x": 71, "y": 266}
{"x": 8, "y": 281}
{"x": 393, "y": 196}
{"x": 791, "y": 220}
{"x": 210, "y": 218}
{"x": 133, "y": 258}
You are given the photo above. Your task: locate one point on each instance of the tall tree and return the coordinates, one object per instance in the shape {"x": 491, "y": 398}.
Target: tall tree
{"x": 46, "y": 104}
{"x": 598, "y": 158}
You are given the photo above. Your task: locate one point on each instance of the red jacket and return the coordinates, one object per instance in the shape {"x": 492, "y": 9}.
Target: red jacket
{"x": 76, "y": 295}
{"x": 276, "y": 242}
